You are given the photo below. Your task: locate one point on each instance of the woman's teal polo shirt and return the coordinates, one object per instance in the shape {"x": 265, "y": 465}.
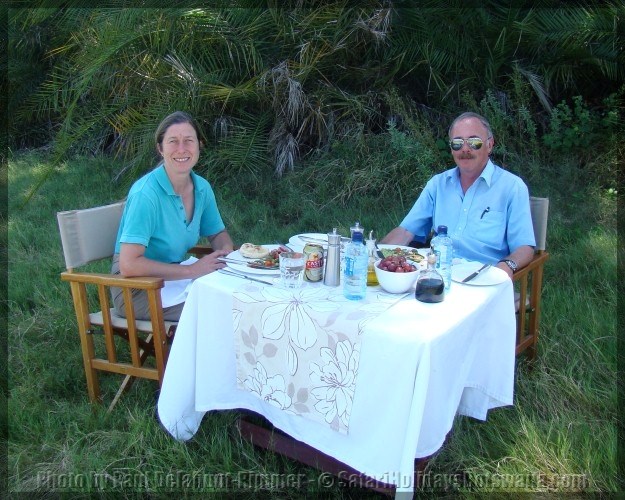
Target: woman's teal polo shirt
{"x": 154, "y": 217}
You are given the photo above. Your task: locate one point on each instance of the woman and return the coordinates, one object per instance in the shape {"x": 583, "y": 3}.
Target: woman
{"x": 166, "y": 213}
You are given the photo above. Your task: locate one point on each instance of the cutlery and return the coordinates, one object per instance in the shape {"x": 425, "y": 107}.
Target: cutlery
{"x": 285, "y": 246}
{"x": 233, "y": 261}
{"x": 252, "y": 264}
{"x": 244, "y": 276}
{"x": 319, "y": 240}
{"x": 313, "y": 240}
{"x": 473, "y": 275}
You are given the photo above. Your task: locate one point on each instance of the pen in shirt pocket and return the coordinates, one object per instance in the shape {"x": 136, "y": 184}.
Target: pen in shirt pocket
{"x": 486, "y": 210}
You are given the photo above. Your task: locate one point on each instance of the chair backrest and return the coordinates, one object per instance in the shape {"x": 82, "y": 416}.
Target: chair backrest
{"x": 90, "y": 234}
{"x": 540, "y": 212}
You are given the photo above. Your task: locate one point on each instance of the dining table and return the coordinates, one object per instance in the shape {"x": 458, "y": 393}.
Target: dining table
{"x": 374, "y": 384}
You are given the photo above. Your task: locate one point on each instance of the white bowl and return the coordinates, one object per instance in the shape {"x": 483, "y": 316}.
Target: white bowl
{"x": 396, "y": 282}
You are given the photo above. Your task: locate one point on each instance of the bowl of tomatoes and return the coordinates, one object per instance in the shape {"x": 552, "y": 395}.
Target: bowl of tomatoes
{"x": 396, "y": 274}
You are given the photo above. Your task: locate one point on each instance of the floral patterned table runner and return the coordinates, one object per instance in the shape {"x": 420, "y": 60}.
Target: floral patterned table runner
{"x": 299, "y": 349}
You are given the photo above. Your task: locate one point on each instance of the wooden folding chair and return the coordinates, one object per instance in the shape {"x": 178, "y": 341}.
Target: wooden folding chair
{"x": 529, "y": 282}
{"x": 89, "y": 235}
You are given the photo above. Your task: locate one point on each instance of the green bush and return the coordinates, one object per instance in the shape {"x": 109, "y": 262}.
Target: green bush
{"x": 590, "y": 135}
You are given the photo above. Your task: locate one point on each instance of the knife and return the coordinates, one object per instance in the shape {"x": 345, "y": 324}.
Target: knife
{"x": 233, "y": 261}
{"x": 319, "y": 240}
{"x": 313, "y": 240}
{"x": 285, "y": 246}
{"x": 230, "y": 273}
{"x": 473, "y": 275}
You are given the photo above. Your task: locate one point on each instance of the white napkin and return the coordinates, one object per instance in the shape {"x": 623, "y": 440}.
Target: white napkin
{"x": 174, "y": 292}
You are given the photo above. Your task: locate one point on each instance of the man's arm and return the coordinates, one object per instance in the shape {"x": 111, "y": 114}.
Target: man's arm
{"x": 398, "y": 236}
{"x": 522, "y": 256}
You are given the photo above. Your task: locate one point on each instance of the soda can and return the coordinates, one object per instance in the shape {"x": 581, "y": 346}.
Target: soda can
{"x": 313, "y": 270}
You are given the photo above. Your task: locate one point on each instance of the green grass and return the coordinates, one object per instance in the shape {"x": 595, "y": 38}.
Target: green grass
{"x": 560, "y": 435}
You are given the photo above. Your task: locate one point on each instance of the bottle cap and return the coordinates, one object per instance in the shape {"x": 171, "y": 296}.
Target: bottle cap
{"x": 357, "y": 228}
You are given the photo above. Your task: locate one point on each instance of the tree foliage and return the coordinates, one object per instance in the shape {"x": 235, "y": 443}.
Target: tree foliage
{"x": 272, "y": 81}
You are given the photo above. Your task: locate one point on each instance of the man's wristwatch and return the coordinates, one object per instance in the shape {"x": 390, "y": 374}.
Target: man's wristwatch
{"x": 511, "y": 264}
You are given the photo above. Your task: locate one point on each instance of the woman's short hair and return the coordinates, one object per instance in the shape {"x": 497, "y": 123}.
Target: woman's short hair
{"x": 173, "y": 119}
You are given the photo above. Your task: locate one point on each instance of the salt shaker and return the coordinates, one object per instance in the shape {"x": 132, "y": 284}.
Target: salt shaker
{"x": 332, "y": 275}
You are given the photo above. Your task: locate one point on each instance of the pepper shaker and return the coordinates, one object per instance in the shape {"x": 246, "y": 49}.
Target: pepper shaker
{"x": 332, "y": 275}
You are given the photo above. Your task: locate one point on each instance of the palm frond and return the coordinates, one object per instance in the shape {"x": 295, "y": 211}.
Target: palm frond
{"x": 243, "y": 151}
{"x": 537, "y": 84}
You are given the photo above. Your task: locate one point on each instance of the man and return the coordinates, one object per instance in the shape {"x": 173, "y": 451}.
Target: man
{"x": 485, "y": 208}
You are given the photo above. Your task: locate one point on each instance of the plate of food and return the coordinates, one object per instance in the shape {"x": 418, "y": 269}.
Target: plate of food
{"x": 256, "y": 259}
{"x": 415, "y": 255}
{"x": 491, "y": 276}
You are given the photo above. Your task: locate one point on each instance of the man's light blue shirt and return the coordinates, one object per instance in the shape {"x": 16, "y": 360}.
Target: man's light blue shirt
{"x": 154, "y": 216}
{"x": 487, "y": 223}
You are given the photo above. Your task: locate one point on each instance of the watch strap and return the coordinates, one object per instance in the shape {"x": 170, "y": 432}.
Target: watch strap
{"x": 511, "y": 264}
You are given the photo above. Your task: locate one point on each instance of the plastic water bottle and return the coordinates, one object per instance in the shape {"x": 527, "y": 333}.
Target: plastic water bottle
{"x": 356, "y": 264}
{"x": 443, "y": 246}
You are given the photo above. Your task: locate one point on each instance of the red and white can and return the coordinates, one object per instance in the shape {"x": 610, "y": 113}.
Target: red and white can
{"x": 313, "y": 270}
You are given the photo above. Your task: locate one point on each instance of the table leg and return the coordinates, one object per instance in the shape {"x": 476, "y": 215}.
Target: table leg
{"x": 274, "y": 440}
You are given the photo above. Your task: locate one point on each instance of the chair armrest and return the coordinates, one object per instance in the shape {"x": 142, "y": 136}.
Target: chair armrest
{"x": 538, "y": 261}
{"x": 200, "y": 250}
{"x": 140, "y": 282}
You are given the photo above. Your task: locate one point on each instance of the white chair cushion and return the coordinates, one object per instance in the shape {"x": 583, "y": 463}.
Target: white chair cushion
{"x": 119, "y": 322}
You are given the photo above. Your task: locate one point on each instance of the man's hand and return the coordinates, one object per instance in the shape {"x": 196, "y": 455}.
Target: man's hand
{"x": 522, "y": 256}
{"x": 505, "y": 267}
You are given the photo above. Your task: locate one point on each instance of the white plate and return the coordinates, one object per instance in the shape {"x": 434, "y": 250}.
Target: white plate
{"x": 490, "y": 276}
{"x": 297, "y": 241}
{"x": 242, "y": 268}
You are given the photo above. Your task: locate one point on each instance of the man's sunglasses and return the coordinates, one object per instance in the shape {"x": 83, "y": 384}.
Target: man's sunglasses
{"x": 473, "y": 142}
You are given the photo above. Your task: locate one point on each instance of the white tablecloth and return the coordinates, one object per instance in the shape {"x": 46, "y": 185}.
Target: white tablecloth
{"x": 420, "y": 364}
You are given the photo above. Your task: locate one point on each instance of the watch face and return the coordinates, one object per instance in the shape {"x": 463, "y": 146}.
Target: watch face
{"x": 512, "y": 264}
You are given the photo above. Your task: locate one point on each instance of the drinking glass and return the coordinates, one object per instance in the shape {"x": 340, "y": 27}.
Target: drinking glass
{"x": 291, "y": 269}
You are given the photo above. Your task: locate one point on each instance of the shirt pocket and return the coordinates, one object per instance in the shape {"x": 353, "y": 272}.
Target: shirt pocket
{"x": 491, "y": 228}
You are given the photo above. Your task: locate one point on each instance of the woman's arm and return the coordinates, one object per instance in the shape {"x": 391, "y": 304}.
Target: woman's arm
{"x": 132, "y": 262}
{"x": 221, "y": 241}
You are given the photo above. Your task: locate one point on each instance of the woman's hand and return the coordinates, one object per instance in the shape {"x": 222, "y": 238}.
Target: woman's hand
{"x": 208, "y": 263}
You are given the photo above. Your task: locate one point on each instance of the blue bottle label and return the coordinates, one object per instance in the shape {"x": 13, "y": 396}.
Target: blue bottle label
{"x": 438, "y": 258}
{"x": 349, "y": 266}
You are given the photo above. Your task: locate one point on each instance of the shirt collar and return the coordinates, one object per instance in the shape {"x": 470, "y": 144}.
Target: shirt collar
{"x": 163, "y": 180}
{"x": 487, "y": 173}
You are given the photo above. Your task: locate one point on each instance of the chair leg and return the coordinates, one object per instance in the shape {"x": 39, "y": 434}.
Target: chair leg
{"x": 129, "y": 379}
{"x": 79, "y": 297}
{"x": 126, "y": 385}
